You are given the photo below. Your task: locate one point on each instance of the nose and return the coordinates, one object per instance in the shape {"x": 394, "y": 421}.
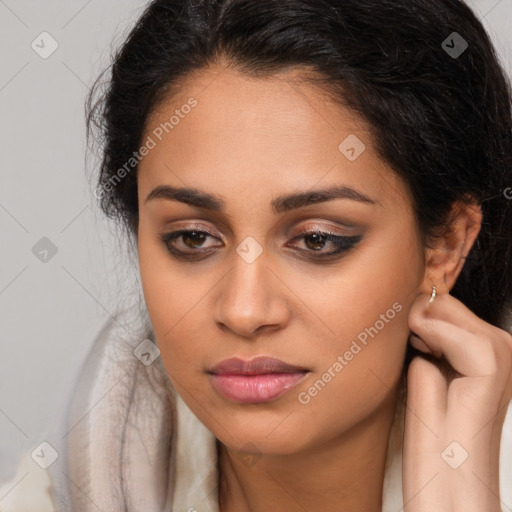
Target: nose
{"x": 252, "y": 300}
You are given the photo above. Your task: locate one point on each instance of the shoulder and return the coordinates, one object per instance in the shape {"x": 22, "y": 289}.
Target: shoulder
{"x": 28, "y": 490}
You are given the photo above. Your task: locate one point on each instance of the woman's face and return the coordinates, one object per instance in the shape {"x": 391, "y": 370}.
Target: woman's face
{"x": 260, "y": 155}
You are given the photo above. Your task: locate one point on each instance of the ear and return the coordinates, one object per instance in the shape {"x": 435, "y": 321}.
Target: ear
{"x": 446, "y": 256}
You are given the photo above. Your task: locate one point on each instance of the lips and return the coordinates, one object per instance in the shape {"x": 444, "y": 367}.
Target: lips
{"x": 256, "y": 366}
{"x": 259, "y": 380}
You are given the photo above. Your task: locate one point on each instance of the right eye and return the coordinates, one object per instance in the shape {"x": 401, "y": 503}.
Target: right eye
{"x": 191, "y": 240}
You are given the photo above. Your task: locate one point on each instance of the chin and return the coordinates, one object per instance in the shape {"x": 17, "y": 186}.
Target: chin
{"x": 263, "y": 433}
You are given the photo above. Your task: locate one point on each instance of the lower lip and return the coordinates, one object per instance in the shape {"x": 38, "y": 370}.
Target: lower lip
{"x": 253, "y": 389}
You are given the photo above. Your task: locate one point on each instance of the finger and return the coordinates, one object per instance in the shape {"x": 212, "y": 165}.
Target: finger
{"x": 468, "y": 354}
{"x": 448, "y": 308}
{"x": 427, "y": 390}
{"x": 420, "y": 345}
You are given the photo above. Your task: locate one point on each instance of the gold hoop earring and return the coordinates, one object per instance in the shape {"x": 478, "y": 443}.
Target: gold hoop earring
{"x": 433, "y": 295}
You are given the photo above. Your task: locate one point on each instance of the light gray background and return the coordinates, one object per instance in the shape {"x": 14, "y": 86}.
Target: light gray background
{"x": 50, "y": 312}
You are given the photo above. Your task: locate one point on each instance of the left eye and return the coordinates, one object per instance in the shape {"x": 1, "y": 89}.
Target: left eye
{"x": 315, "y": 241}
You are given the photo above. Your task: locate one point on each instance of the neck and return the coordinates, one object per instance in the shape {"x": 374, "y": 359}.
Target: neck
{"x": 344, "y": 473}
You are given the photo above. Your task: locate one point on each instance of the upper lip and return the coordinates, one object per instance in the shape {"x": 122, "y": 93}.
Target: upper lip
{"x": 256, "y": 366}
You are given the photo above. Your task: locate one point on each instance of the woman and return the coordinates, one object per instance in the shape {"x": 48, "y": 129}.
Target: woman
{"x": 319, "y": 191}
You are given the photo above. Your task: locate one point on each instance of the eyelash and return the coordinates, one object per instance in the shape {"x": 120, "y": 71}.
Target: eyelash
{"x": 344, "y": 243}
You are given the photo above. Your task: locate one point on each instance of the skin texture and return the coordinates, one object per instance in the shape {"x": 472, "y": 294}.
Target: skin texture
{"x": 249, "y": 141}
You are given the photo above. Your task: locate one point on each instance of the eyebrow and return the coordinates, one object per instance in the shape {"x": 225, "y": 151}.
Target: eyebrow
{"x": 285, "y": 203}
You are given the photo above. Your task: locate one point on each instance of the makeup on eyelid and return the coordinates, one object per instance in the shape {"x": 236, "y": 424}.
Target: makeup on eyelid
{"x": 342, "y": 242}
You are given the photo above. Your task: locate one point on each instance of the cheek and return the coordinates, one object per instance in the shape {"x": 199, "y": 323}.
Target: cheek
{"x": 174, "y": 300}
{"x": 367, "y": 314}
{"x": 167, "y": 287}
{"x": 371, "y": 293}
{"x": 361, "y": 371}
{"x": 365, "y": 360}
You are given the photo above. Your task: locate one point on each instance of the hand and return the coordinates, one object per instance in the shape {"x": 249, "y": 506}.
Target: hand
{"x": 457, "y": 398}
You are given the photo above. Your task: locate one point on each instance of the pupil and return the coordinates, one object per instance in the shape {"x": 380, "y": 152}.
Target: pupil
{"x": 196, "y": 238}
{"x": 318, "y": 242}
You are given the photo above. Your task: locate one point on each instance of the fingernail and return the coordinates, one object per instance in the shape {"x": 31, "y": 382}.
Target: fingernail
{"x": 419, "y": 344}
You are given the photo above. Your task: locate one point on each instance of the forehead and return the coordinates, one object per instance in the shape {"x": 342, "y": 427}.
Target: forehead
{"x": 244, "y": 132}
{"x": 285, "y": 105}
